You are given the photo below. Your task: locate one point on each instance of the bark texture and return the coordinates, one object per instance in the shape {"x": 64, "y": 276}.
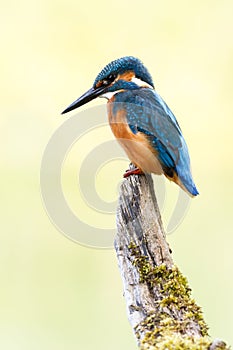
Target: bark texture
{"x": 160, "y": 308}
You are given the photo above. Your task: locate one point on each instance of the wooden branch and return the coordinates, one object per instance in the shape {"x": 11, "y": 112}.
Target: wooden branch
{"x": 160, "y": 309}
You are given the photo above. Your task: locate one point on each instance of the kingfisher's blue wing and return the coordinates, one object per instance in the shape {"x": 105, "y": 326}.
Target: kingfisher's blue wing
{"x": 147, "y": 112}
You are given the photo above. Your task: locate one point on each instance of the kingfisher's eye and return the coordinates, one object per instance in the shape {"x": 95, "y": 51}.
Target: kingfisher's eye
{"x": 110, "y": 78}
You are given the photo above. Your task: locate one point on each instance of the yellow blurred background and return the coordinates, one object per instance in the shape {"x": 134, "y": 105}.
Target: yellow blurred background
{"x": 56, "y": 294}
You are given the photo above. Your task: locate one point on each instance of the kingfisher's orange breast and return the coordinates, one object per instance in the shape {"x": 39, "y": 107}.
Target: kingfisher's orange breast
{"x": 136, "y": 146}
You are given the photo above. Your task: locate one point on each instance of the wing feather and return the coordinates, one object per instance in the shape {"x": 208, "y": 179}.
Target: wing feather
{"x": 147, "y": 112}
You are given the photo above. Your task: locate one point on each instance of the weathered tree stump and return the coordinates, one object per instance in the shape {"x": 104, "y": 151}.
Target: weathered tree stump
{"x": 160, "y": 308}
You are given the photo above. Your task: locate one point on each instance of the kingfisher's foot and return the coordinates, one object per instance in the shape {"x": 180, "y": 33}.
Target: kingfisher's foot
{"x": 135, "y": 171}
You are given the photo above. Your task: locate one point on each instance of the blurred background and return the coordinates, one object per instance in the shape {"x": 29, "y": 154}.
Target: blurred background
{"x": 57, "y": 294}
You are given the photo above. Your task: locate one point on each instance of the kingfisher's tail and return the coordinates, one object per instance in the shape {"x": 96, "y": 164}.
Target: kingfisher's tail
{"x": 185, "y": 181}
{"x": 188, "y": 186}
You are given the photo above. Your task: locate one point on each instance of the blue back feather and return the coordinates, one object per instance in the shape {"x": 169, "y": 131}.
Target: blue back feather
{"x": 147, "y": 112}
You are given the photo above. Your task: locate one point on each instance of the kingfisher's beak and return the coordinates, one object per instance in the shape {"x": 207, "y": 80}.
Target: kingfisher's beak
{"x": 88, "y": 96}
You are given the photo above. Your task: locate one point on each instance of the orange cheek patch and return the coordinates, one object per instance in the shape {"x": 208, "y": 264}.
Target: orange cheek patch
{"x": 99, "y": 83}
{"x": 127, "y": 76}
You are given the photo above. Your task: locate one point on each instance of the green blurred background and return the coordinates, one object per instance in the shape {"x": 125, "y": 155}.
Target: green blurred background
{"x": 56, "y": 294}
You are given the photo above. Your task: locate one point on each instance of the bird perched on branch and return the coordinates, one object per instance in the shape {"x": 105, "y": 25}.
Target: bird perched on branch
{"x": 141, "y": 121}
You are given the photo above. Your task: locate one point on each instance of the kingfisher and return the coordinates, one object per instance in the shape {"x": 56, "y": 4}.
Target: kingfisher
{"x": 141, "y": 121}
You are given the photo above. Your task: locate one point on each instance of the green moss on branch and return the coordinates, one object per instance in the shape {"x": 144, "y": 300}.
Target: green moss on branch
{"x": 177, "y": 322}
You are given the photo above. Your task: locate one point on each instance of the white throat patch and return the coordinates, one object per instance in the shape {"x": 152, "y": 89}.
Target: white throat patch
{"x": 109, "y": 95}
{"x": 137, "y": 81}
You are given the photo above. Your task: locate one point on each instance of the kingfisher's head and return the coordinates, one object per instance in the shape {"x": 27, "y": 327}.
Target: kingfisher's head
{"x": 125, "y": 73}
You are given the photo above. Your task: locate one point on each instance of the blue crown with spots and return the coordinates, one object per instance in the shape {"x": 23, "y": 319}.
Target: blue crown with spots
{"x": 124, "y": 64}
